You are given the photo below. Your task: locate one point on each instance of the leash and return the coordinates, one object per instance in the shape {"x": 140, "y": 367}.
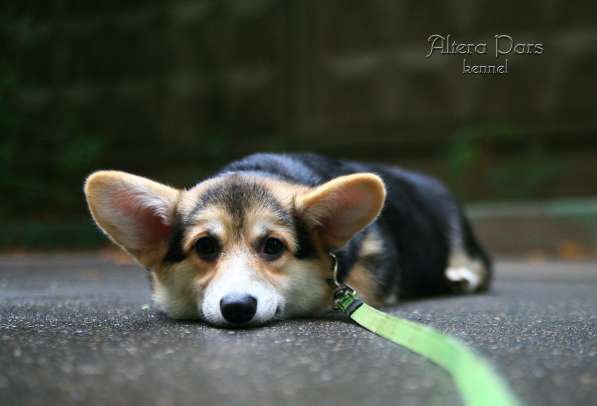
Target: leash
{"x": 474, "y": 377}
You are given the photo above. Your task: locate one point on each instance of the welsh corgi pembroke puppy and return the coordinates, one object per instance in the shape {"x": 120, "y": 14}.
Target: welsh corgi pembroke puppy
{"x": 251, "y": 244}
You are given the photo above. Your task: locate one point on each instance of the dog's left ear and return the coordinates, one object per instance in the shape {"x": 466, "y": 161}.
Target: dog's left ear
{"x": 135, "y": 212}
{"x": 340, "y": 208}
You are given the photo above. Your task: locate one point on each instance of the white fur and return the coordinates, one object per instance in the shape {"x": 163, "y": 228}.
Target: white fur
{"x": 300, "y": 292}
{"x": 236, "y": 276}
{"x": 463, "y": 269}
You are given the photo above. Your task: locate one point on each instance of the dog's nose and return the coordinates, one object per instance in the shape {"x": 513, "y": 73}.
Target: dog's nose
{"x": 238, "y": 308}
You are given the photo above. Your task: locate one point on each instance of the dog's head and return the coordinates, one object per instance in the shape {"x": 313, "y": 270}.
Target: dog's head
{"x": 239, "y": 248}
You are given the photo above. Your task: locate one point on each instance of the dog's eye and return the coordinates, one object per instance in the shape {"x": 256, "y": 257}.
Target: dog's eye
{"x": 272, "y": 248}
{"x": 207, "y": 248}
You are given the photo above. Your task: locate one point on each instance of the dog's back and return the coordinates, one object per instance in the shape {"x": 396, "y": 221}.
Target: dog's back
{"x": 421, "y": 244}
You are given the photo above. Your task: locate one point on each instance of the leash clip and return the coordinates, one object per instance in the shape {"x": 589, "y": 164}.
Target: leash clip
{"x": 345, "y": 297}
{"x": 335, "y": 270}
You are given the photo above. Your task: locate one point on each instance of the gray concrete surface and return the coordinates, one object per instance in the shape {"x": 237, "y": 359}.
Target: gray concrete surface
{"x": 73, "y": 330}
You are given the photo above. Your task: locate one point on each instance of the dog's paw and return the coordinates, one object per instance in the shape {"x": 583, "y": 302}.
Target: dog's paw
{"x": 466, "y": 275}
{"x": 463, "y": 279}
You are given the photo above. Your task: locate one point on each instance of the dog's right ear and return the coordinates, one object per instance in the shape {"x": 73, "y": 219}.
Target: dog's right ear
{"x": 135, "y": 212}
{"x": 343, "y": 206}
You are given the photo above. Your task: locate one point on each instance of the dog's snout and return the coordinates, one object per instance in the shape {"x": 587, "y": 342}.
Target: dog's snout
{"x": 238, "y": 308}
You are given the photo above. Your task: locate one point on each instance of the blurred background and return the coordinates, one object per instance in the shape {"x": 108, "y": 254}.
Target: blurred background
{"x": 173, "y": 90}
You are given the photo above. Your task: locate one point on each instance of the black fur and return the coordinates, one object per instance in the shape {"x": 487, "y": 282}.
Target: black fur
{"x": 175, "y": 252}
{"x": 306, "y": 247}
{"x": 415, "y": 226}
{"x": 236, "y": 196}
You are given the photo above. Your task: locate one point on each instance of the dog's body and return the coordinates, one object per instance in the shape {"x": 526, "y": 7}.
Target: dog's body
{"x": 252, "y": 243}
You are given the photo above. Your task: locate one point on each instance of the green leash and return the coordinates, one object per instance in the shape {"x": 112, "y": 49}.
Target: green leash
{"x": 474, "y": 377}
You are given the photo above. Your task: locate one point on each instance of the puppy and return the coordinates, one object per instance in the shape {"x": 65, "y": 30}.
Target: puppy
{"x": 251, "y": 244}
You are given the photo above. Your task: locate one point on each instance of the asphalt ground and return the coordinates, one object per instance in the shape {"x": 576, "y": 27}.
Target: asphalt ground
{"x": 76, "y": 330}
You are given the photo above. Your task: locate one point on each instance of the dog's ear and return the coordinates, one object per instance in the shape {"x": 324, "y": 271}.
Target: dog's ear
{"x": 340, "y": 208}
{"x": 136, "y": 213}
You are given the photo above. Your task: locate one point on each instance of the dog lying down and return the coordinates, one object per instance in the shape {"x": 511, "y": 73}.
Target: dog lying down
{"x": 251, "y": 244}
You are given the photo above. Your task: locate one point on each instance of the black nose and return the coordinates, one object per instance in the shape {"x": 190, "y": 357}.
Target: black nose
{"x": 238, "y": 308}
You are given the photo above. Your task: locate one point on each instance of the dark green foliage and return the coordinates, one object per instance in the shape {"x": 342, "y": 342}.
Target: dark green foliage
{"x": 502, "y": 160}
{"x": 45, "y": 150}
{"x": 174, "y": 90}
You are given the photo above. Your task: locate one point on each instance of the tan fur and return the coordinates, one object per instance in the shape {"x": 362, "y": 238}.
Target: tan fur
{"x": 343, "y": 206}
{"x": 214, "y": 220}
{"x": 363, "y": 282}
{"x": 176, "y": 289}
{"x": 360, "y": 278}
{"x": 335, "y": 211}
{"x": 371, "y": 246}
{"x": 102, "y": 189}
{"x": 285, "y": 192}
{"x": 258, "y": 224}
